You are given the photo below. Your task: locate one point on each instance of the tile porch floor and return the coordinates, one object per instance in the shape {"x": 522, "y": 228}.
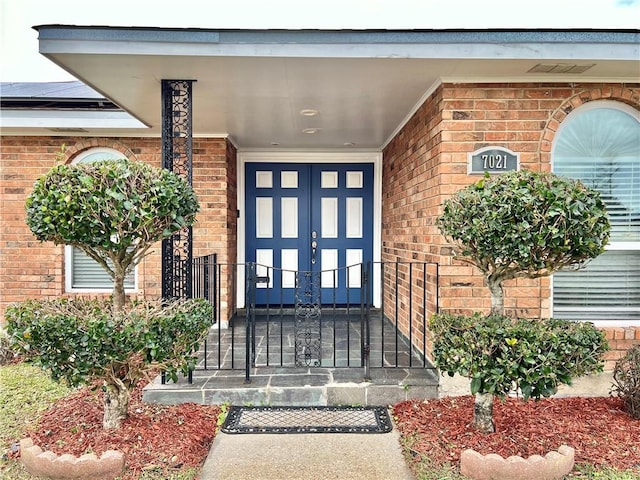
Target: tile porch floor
{"x": 395, "y": 374}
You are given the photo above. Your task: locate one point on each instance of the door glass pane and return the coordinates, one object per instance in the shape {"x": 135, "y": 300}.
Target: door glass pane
{"x": 264, "y": 260}
{"x": 289, "y": 216}
{"x": 289, "y": 267}
{"x": 264, "y": 180}
{"x": 289, "y": 179}
{"x": 264, "y": 217}
{"x": 329, "y": 264}
{"x": 354, "y": 264}
{"x": 329, "y": 180}
{"x": 354, "y": 218}
{"x": 329, "y": 217}
{"x": 354, "y": 180}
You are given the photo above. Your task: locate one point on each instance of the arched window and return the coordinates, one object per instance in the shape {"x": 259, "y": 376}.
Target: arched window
{"x": 82, "y": 273}
{"x": 599, "y": 144}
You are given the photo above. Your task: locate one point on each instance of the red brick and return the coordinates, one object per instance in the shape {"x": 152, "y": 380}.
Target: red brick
{"x": 29, "y": 268}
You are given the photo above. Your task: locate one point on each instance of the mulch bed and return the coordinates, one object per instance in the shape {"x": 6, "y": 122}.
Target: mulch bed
{"x": 154, "y": 437}
{"x": 169, "y": 438}
{"x": 599, "y": 429}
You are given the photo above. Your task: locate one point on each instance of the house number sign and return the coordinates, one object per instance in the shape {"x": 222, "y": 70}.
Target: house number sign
{"x": 492, "y": 160}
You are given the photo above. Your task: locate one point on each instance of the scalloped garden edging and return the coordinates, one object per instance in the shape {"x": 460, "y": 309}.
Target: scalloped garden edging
{"x": 63, "y": 467}
{"x": 554, "y": 465}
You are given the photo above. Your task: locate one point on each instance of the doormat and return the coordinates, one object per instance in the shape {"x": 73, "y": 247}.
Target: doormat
{"x": 307, "y": 420}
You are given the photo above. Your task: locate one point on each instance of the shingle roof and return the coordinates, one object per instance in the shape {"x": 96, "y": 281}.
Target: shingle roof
{"x": 49, "y": 90}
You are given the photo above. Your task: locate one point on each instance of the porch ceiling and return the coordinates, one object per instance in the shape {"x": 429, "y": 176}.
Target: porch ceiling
{"x": 253, "y": 85}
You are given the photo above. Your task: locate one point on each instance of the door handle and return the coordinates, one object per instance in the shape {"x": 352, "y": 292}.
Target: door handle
{"x": 314, "y": 247}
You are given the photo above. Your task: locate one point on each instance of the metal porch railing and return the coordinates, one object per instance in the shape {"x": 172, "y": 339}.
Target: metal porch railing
{"x": 315, "y": 329}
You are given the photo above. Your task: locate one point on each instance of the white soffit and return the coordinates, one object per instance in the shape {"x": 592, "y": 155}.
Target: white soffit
{"x": 253, "y": 84}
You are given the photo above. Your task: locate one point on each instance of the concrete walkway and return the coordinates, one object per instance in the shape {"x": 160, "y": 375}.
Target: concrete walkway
{"x": 309, "y": 456}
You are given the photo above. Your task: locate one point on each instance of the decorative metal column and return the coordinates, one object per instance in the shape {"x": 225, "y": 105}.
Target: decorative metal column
{"x": 177, "y": 149}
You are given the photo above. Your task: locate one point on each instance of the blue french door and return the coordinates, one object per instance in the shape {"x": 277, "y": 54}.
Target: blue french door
{"x": 309, "y": 217}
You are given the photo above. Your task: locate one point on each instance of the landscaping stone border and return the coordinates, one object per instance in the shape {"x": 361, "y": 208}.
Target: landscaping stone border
{"x": 89, "y": 466}
{"x": 554, "y": 465}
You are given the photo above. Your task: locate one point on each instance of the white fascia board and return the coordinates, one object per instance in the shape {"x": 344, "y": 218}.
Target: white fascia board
{"x": 452, "y": 51}
{"x": 67, "y": 119}
{"x": 341, "y": 44}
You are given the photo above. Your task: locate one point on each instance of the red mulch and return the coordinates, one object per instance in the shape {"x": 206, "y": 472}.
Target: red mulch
{"x": 599, "y": 430}
{"x": 172, "y": 437}
{"x": 153, "y": 437}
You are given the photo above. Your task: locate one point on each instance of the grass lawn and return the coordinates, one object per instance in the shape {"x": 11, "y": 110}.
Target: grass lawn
{"x": 26, "y": 392}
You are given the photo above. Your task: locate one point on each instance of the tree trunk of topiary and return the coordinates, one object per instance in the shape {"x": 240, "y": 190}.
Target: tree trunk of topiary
{"x": 116, "y": 404}
{"x": 483, "y": 413}
{"x": 483, "y": 409}
{"x": 497, "y": 296}
{"x": 118, "y": 292}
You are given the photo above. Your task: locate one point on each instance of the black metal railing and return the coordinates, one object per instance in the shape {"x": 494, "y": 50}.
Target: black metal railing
{"x": 204, "y": 280}
{"x": 352, "y": 328}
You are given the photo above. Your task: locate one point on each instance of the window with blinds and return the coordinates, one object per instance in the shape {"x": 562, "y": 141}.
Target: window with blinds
{"x": 82, "y": 272}
{"x": 600, "y": 145}
{"x": 86, "y": 273}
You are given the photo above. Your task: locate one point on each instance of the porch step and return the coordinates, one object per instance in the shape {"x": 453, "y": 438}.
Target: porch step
{"x": 275, "y": 386}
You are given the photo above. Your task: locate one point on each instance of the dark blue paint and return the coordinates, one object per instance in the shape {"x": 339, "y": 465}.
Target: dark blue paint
{"x": 309, "y": 194}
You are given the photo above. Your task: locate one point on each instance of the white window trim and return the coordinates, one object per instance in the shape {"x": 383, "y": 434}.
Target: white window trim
{"x": 68, "y": 277}
{"x": 626, "y": 246}
{"x": 68, "y": 249}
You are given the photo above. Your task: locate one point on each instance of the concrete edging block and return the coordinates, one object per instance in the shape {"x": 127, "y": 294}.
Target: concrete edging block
{"x": 49, "y": 465}
{"x": 554, "y": 465}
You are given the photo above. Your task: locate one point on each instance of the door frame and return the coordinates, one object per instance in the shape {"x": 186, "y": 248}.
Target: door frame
{"x": 307, "y": 156}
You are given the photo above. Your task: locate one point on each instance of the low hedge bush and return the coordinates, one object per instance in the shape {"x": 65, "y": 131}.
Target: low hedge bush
{"x": 80, "y": 341}
{"x": 501, "y": 355}
{"x": 626, "y": 380}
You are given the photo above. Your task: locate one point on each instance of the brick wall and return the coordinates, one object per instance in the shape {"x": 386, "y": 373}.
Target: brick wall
{"x": 427, "y": 161}
{"x": 31, "y": 269}
{"x": 410, "y": 203}
{"x": 215, "y": 231}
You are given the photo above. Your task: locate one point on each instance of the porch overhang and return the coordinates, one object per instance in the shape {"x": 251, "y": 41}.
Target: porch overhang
{"x": 327, "y": 89}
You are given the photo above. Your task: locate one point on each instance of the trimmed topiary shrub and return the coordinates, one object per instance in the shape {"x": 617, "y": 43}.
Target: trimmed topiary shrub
{"x": 114, "y": 210}
{"x": 80, "y": 341}
{"x": 524, "y": 224}
{"x": 626, "y": 381}
{"x": 501, "y": 355}
{"x": 521, "y": 224}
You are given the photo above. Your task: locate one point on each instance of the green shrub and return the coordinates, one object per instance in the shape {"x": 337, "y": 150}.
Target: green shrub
{"x": 626, "y": 380}
{"x": 80, "y": 341}
{"x": 114, "y": 210}
{"x": 524, "y": 224}
{"x": 500, "y": 354}
{"x": 518, "y": 224}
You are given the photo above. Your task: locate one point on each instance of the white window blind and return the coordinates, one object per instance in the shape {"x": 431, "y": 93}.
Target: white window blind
{"x": 86, "y": 273}
{"x": 600, "y": 145}
{"x": 608, "y": 289}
